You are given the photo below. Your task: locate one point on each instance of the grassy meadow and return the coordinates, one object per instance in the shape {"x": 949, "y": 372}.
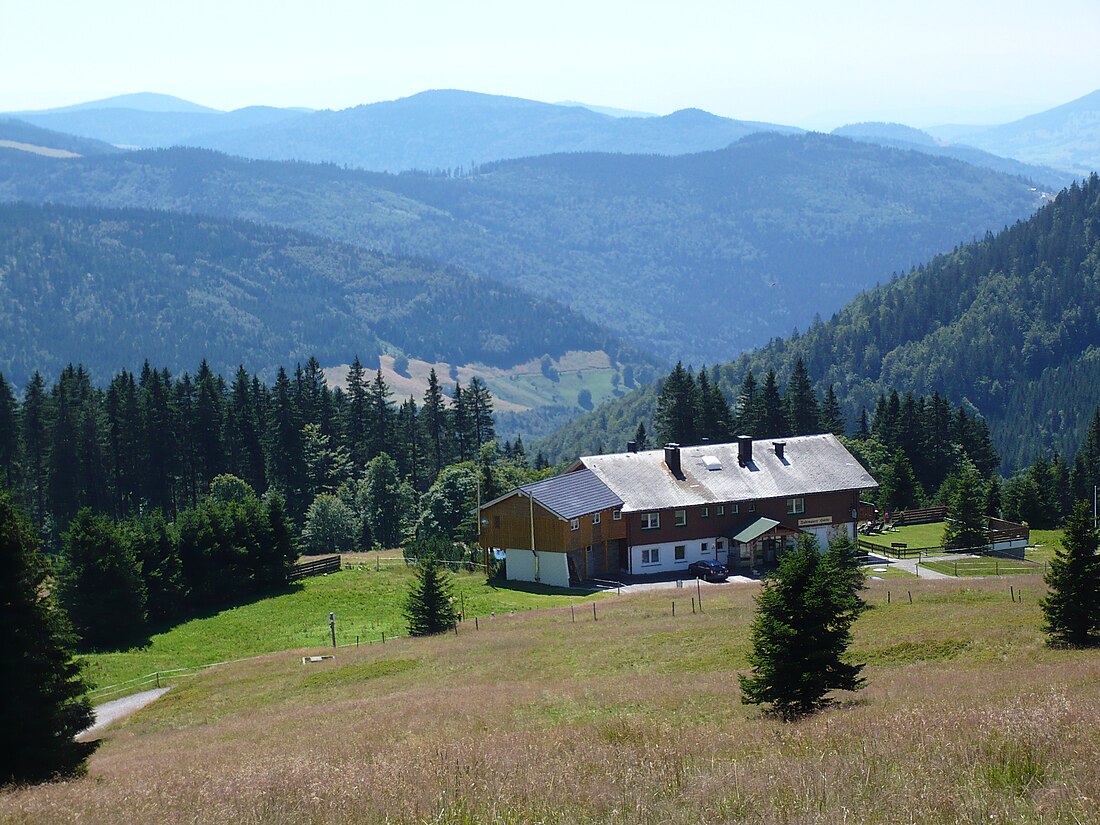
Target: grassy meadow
{"x": 367, "y": 602}
{"x": 635, "y": 718}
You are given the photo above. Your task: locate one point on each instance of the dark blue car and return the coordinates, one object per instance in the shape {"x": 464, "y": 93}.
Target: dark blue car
{"x": 710, "y": 571}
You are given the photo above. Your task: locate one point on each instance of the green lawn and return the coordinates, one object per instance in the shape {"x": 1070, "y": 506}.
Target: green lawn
{"x": 984, "y": 567}
{"x": 1044, "y": 543}
{"x": 914, "y": 535}
{"x": 887, "y": 571}
{"x": 367, "y": 603}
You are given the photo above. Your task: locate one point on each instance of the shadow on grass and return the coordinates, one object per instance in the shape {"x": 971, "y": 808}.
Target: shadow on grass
{"x": 539, "y": 589}
{"x": 144, "y": 638}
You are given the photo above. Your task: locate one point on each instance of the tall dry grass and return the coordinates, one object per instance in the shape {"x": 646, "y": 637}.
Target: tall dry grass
{"x": 636, "y": 718}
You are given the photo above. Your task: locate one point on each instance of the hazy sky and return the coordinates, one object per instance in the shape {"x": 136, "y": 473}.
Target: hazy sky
{"x": 807, "y": 63}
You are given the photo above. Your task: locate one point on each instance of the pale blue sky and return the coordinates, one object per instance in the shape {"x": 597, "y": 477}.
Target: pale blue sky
{"x": 812, "y": 64}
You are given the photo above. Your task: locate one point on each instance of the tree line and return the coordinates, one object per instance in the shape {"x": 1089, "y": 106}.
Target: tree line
{"x": 918, "y": 447}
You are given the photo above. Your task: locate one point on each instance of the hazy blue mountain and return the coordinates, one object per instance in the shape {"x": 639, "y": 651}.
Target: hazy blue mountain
{"x": 144, "y": 129}
{"x": 113, "y": 287}
{"x": 899, "y": 136}
{"x": 1065, "y": 137}
{"x": 35, "y": 138}
{"x": 139, "y": 101}
{"x": 449, "y": 129}
{"x": 696, "y": 257}
{"x": 1006, "y": 326}
{"x": 606, "y": 110}
{"x": 889, "y": 131}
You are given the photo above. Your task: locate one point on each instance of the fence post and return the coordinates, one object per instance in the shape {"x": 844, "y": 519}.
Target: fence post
{"x": 910, "y": 592}
{"x": 475, "y": 624}
{"x": 888, "y": 597}
{"x": 594, "y": 612}
{"x": 573, "y": 613}
{"x": 674, "y": 607}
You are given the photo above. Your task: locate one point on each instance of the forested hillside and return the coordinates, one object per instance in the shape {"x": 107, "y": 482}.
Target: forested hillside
{"x": 695, "y": 257}
{"x": 21, "y": 136}
{"x": 114, "y": 287}
{"x": 1007, "y": 326}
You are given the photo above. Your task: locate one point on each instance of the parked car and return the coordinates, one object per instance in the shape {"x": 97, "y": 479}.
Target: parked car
{"x": 711, "y": 571}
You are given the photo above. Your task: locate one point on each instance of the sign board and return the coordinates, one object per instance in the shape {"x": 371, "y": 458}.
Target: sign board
{"x": 814, "y": 522}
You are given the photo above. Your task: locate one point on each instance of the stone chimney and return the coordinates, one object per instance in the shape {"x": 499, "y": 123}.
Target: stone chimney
{"x": 632, "y": 446}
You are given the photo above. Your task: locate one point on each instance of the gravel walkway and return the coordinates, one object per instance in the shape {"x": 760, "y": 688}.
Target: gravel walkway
{"x": 117, "y": 709}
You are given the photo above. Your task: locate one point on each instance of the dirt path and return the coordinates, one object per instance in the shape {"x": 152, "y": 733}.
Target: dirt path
{"x": 117, "y": 709}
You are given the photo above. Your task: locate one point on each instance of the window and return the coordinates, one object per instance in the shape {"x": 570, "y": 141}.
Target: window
{"x": 735, "y": 509}
{"x": 681, "y": 518}
{"x": 595, "y": 518}
{"x": 574, "y": 524}
{"x": 752, "y": 508}
{"x": 718, "y": 545}
{"x": 796, "y": 505}
{"x": 746, "y": 552}
{"x": 651, "y": 555}
{"x": 721, "y": 509}
{"x": 704, "y": 548}
{"x": 679, "y": 552}
{"x": 651, "y": 521}
{"x": 496, "y": 522}
{"x": 617, "y": 515}
{"x": 704, "y": 512}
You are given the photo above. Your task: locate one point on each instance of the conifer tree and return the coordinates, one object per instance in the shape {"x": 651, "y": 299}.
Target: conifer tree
{"x": 803, "y": 410}
{"x": 429, "y": 607}
{"x": 43, "y": 704}
{"x": 9, "y": 434}
{"x": 832, "y": 419}
{"x": 966, "y": 524}
{"x": 677, "y": 408}
{"x": 748, "y": 413}
{"x": 381, "y": 417}
{"x": 641, "y": 438}
{"x": 100, "y": 584}
{"x": 479, "y": 401}
{"x": 801, "y": 632}
{"x": 1071, "y": 608}
{"x": 355, "y": 424}
{"x": 433, "y": 417}
{"x": 774, "y": 422}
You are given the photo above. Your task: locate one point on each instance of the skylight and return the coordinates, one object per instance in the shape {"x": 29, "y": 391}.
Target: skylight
{"x": 711, "y": 462}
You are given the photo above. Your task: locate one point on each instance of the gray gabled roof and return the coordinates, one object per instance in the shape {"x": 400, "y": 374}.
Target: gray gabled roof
{"x": 573, "y": 495}
{"x": 811, "y": 464}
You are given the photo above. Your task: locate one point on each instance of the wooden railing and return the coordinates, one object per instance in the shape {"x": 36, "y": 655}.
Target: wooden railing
{"x": 329, "y": 564}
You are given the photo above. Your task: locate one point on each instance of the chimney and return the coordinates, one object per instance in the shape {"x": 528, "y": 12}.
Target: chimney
{"x": 779, "y": 447}
{"x": 632, "y": 446}
{"x": 672, "y": 459}
{"x": 744, "y": 450}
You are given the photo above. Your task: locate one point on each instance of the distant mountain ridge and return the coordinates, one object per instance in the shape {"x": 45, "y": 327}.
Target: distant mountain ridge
{"x": 696, "y": 257}
{"x": 441, "y": 129}
{"x": 1066, "y": 137}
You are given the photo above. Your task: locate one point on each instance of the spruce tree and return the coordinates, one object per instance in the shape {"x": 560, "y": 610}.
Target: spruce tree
{"x": 429, "y": 607}
{"x": 677, "y": 408}
{"x": 641, "y": 438}
{"x": 43, "y": 704}
{"x": 966, "y": 521}
{"x": 100, "y": 583}
{"x": 1071, "y": 608}
{"x": 435, "y": 420}
{"x": 748, "y": 411}
{"x": 9, "y": 434}
{"x": 801, "y": 402}
{"x": 479, "y": 401}
{"x": 801, "y": 632}
{"x": 774, "y": 422}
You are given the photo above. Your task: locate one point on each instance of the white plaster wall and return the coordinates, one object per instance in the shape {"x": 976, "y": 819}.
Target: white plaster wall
{"x": 668, "y": 553}
{"x": 553, "y": 569}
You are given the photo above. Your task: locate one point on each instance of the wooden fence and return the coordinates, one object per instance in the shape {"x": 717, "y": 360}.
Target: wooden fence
{"x": 923, "y": 515}
{"x": 329, "y": 564}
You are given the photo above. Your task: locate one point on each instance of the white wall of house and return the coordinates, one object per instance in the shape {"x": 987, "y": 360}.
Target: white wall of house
{"x": 825, "y": 532}
{"x": 549, "y": 568}
{"x": 666, "y": 555}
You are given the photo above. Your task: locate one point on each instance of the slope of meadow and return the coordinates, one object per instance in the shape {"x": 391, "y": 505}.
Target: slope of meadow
{"x": 968, "y": 717}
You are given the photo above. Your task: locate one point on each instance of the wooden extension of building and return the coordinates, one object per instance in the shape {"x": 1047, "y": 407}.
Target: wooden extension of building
{"x": 657, "y": 511}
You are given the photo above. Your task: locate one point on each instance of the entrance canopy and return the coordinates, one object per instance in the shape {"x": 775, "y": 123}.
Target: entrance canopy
{"x": 760, "y": 526}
